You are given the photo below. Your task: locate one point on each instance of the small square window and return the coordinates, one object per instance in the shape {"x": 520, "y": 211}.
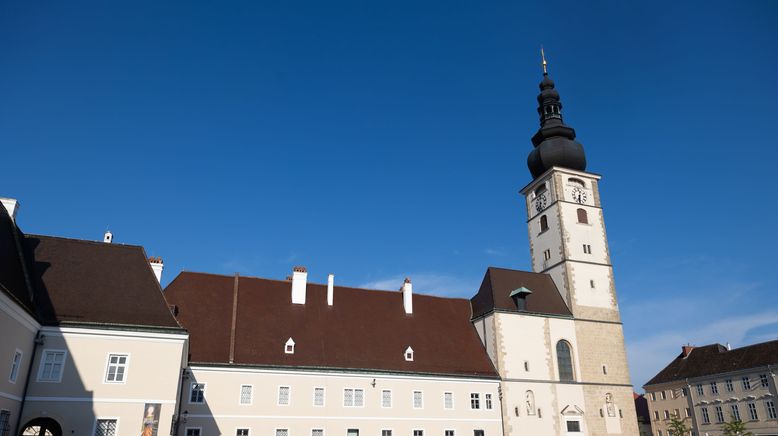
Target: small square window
{"x": 573, "y": 426}
{"x": 242, "y": 432}
{"x": 317, "y": 432}
{"x": 106, "y": 427}
{"x": 192, "y": 432}
{"x": 418, "y": 433}
{"x": 386, "y": 432}
{"x": 282, "y": 432}
{"x": 448, "y": 433}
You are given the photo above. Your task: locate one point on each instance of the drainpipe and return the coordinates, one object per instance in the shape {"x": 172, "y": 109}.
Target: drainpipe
{"x": 499, "y": 395}
{"x": 39, "y": 340}
{"x": 177, "y": 421}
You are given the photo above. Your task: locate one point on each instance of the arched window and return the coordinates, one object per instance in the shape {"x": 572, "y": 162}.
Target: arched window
{"x": 530, "y": 403}
{"x": 582, "y": 217}
{"x": 543, "y": 223}
{"x": 576, "y": 182}
{"x": 564, "y": 359}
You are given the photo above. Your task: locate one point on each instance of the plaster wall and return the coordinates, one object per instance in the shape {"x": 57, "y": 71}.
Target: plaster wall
{"x": 18, "y": 334}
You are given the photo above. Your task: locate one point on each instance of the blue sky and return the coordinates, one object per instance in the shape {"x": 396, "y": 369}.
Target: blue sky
{"x": 377, "y": 140}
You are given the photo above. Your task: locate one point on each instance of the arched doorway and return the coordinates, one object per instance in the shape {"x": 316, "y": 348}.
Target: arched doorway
{"x": 41, "y": 427}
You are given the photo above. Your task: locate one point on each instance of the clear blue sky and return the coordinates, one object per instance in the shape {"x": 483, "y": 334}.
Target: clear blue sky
{"x": 377, "y": 140}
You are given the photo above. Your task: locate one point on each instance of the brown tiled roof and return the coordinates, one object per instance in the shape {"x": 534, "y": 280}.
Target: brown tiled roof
{"x": 12, "y": 279}
{"x": 498, "y": 284}
{"x": 363, "y": 330}
{"x": 716, "y": 359}
{"x": 79, "y": 281}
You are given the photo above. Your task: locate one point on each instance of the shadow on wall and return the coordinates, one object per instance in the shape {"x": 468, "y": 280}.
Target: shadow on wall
{"x": 196, "y": 418}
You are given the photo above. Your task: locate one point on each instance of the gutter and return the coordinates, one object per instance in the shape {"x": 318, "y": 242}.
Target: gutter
{"x": 39, "y": 340}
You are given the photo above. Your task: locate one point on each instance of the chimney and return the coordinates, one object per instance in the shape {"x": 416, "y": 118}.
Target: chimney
{"x": 729, "y": 347}
{"x": 12, "y": 206}
{"x": 330, "y": 285}
{"x": 686, "y": 350}
{"x": 407, "y": 296}
{"x": 157, "y": 266}
{"x": 108, "y": 237}
{"x": 299, "y": 278}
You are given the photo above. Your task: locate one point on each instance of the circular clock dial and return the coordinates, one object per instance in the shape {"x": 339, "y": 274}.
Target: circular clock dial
{"x": 579, "y": 195}
{"x": 540, "y": 202}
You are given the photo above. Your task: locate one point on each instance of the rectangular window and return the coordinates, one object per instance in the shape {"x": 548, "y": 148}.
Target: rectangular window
{"x": 714, "y": 388}
{"x": 117, "y": 368}
{"x": 317, "y": 432}
{"x": 197, "y": 393}
{"x": 488, "y": 401}
{"x": 688, "y": 412}
{"x": 700, "y": 391}
{"x": 573, "y": 426}
{"x": 284, "y": 392}
{"x": 52, "y": 363}
{"x": 478, "y": 433}
{"x": 656, "y": 415}
{"x": 353, "y": 397}
{"x": 106, "y": 427}
{"x": 241, "y": 432}
{"x": 728, "y": 383}
{"x": 282, "y": 432}
{"x": 15, "y": 364}
{"x": 547, "y": 255}
{"x": 587, "y": 250}
{"x": 246, "y": 394}
{"x": 418, "y": 400}
{"x": 653, "y": 396}
{"x": 770, "y": 406}
{"x": 318, "y": 397}
{"x": 5, "y": 422}
{"x": 763, "y": 380}
{"x": 705, "y": 416}
{"x": 448, "y": 400}
{"x": 448, "y": 433}
{"x": 719, "y": 414}
{"x": 677, "y": 413}
{"x": 192, "y": 432}
{"x": 684, "y": 392}
{"x": 418, "y": 433}
{"x": 663, "y": 395}
{"x": 475, "y": 401}
{"x": 735, "y": 412}
{"x": 752, "y": 412}
{"x": 386, "y": 432}
{"x": 667, "y": 414}
{"x": 386, "y": 398}
{"x": 352, "y": 432}
{"x": 746, "y": 383}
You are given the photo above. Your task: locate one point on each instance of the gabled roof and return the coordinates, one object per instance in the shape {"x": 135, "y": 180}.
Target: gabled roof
{"x": 77, "y": 281}
{"x": 716, "y": 359}
{"x": 362, "y": 330}
{"x": 500, "y": 283}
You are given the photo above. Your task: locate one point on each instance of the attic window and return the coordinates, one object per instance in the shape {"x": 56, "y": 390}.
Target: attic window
{"x": 519, "y": 297}
{"x": 289, "y": 347}
{"x": 409, "y": 354}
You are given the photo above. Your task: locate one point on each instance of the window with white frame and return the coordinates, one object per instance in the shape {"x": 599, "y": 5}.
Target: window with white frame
{"x": 246, "y": 394}
{"x": 117, "y": 368}
{"x": 418, "y": 432}
{"x": 663, "y": 394}
{"x": 386, "y": 398}
{"x": 573, "y": 426}
{"x": 448, "y": 400}
{"x": 284, "y": 392}
{"x": 5, "y": 422}
{"x": 318, "y": 397}
{"x": 770, "y": 406}
{"x": 653, "y": 396}
{"x": 16, "y": 362}
{"x": 656, "y": 415}
{"x": 728, "y": 383}
{"x": 282, "y": 432}
{"x": 714, "y": 387}
{"x": 705, "y": 416}
{"x": 488, "y": 401}
{"x": 752, "y": 412}
{"x": 386, "y": 432}
{"x": 763, "y": 380}
{"x": 418, "y": 400}
{"x": 409, "y": 354}
{"x": 106, "y": 427}
{"x": 667, "y": 414}
{"x": 317, "y": 432}
{"x": 700, "y": 390}
{"x": 746, "y": 383}
{"x": 241, "y": 432}
{"x": 475, "y": 400}
{"x": 52, "y": 364}
{"x": 197, "y": 393}
{"x": 193, "y": 432}
{"x": 735, "y": 411}
{"x": 353, "y": 397}
{"x": 289, "y": 346}
{"x": 719, "y": 414}
{"x": 448, "y": 433}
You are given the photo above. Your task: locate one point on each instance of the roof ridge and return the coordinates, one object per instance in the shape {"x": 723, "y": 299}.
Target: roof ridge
{"x": 86, "y": 241}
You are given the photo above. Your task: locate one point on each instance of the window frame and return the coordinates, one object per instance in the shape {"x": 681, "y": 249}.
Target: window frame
{"x": 390, "y": 430}
{"x": 729, "y": 385}
{"x": 420, "y": 430}
{"x": 15, "y": 367}
{"x": 242, "y": 428}
{"x": 746, "y": 382}
{"x": 543, "y": 223}
{"x": 42, "y": 365}
{"x": 323, "y": 430}
{"x": 323, "y": 396}
{"x": 753, "y": 415}
{"x": 576, "y": 420}
{"x": 5, "y": 431}
{"x": 558, "y": 363}
{"x": 451, "y": 394}
{"x": 275, "y": 431}
{"x": 769, "y": 405}
{"x": 199, "y": 430}
{"x": 288, "y": 396}
{"x": 447, "y": 430}
{"x": 421, "y": 399}
{"x": 581, "y": 213}
{"x": 477, "y": 397}
{"x": 354, "y": 397}
{"x": 108, "y": 368}
{"x": 191, "y": 389}
{"x": 488, "y": 401}
{"x": 719, "y": 414}
{"x": 391, "y": 399}
{"x": 734, "y": 410}
{"x": 105, "y": 418}
{"x": 705, "y": 415}
{"x": 714, "y": 388}
{"x": 764, "y": 380}
{"x": 251, "y": 395}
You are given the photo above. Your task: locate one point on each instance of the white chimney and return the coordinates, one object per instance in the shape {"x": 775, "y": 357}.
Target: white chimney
{"x": 299, "y": 279}
{"x": 330, "y": 290}
{"x": 407, "y": 295}
{"x": 11, "y": 205}
{"x": 157, "y": 266}
{"x": 108, "y": 237}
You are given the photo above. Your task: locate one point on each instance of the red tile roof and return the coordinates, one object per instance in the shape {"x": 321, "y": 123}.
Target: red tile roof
{"x": 363, "y": 330}
{"x": 498, "y": 284}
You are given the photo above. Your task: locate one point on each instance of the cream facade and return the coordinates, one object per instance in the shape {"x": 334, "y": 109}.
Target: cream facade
{"x": 275, "y": 401}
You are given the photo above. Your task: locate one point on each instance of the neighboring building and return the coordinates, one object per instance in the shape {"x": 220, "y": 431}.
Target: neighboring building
{"x": 88, "y": 342}
{"x": 712, "y": 384}
{"x": 644, "y": 416}
{"x": 537, "y": 353}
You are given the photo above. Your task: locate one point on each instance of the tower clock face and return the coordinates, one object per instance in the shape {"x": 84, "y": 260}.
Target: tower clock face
{"x": 540, "y": 202}
{"x": 579, "y": 195}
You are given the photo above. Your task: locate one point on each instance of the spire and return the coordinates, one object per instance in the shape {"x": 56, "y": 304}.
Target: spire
{"x": 554, "y": 142}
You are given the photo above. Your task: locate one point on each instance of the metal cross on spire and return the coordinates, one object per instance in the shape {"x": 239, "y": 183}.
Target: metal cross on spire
{"x": 545, "y": 64}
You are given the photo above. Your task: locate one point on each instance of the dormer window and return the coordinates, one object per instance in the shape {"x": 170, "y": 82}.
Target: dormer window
{"x": 519, "y": 297}
{"x": 409, "y": 354}
{"x": 289, "y": 347}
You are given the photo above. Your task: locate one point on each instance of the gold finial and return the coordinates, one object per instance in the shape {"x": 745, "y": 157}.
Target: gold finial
{"x": 545, "y": 64}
